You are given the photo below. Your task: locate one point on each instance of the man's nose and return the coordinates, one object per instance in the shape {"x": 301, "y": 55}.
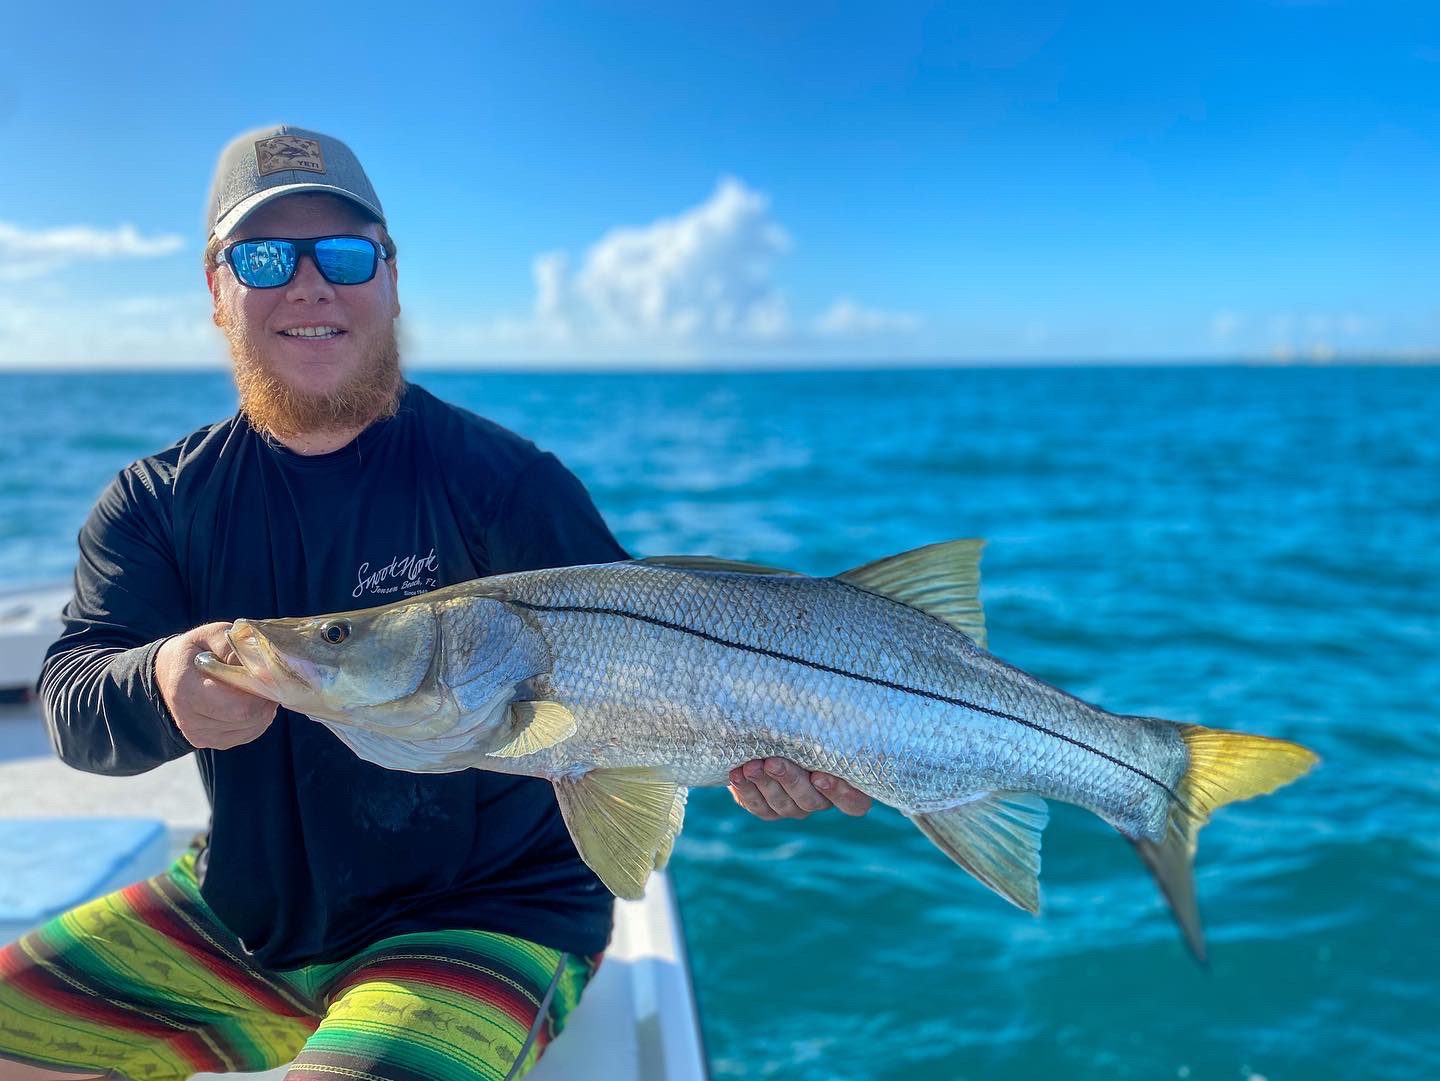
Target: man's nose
{"x": 309, "y": 284}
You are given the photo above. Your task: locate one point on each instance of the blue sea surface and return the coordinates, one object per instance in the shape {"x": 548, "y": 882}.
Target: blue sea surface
{"x": 1252, "y": 548}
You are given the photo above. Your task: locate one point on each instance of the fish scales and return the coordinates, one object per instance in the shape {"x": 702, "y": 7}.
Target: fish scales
{"x": 763, "y": 677}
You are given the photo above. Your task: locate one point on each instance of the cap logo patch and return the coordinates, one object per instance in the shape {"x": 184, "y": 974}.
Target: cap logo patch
{"x": 282, "y": 152}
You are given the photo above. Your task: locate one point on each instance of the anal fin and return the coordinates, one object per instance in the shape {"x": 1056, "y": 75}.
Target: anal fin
{"x": 623, "y": 823}
{"x": 997, "y": 839}
{"x": 677, "y": 823}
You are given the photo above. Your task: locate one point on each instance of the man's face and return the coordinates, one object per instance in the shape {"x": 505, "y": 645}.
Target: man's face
{"x": 288, "y": 383}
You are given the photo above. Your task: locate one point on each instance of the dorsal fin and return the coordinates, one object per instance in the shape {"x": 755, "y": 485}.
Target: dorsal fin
{"x": 710, "y": 563}
{"x": 942, "y": 580}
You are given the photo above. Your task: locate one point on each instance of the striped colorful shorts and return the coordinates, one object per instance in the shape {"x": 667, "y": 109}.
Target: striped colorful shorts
{"x": 148, "y": 985}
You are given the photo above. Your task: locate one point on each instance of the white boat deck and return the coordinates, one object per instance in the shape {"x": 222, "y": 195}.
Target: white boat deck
{"x": 638, "y": 1018}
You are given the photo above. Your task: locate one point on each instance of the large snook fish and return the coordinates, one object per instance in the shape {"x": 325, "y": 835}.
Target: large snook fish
{"x": 626, "y": 683}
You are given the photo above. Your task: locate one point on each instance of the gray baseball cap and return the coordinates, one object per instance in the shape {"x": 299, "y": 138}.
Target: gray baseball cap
{"x": 267, "y": 163}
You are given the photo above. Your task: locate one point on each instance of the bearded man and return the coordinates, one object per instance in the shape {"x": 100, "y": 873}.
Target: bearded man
{"x": 356, "y": 921}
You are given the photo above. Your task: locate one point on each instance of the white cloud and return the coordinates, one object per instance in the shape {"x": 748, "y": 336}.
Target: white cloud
{"x": 129, "y": 332}
{"x": 699, "y": 283}
{"x": 1291, "y": 335}
{"x": 1352, "y": 325}
{"x": 845, "y": 319}
{"x": 36, "y": 253}
{"x": 1035, "y": 335}
{"x": 701, "y": 275}
{"x": 1224, "y": 325}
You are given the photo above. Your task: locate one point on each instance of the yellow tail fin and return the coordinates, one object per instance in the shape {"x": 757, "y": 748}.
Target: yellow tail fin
{"x": 1224, "y": 767}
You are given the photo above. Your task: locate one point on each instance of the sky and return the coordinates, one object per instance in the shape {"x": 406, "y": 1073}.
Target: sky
{"x": 677, "y": 184}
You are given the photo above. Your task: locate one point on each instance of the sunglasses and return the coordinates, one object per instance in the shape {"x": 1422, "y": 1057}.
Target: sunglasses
{"x": 270, "y": 262}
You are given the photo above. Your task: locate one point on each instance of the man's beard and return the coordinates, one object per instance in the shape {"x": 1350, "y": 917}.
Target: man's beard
{"x": 272, "y": 406}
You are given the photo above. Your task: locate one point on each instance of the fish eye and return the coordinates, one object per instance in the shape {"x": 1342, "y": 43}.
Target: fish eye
{"x": 335, "y": 631}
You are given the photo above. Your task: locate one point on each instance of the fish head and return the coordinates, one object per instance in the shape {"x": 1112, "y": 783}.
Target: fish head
{"x": 344, "y": 667}
{"x": 438, "y": 673}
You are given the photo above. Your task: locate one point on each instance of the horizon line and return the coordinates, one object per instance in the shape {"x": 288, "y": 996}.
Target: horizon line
{"x": 831, "y": 364}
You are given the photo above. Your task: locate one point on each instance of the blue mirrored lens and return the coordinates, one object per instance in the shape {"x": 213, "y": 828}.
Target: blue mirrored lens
{"x": 345, "y": 260}
{"x": 262, "y": 264}
{"x": 341, "y": 260}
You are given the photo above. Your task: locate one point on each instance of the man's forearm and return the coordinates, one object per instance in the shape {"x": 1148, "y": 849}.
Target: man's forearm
{"x": 104, "y": 712}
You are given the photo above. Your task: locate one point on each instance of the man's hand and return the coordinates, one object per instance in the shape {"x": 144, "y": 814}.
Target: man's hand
{"x": 208, "y": 714}
{"x": 774, "y": 788}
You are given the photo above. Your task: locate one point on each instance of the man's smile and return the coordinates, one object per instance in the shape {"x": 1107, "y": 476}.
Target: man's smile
{"x": 322, "y": 332}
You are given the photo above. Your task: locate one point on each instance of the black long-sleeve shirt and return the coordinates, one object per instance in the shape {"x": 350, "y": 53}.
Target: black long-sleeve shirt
{"x": 313, "y": 852}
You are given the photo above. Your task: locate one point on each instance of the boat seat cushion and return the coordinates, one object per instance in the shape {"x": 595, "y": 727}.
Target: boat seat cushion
{"x": 48, "y": 865}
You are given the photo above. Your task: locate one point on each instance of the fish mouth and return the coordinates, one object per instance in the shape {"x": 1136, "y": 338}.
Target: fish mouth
{"x": 259, "y": 659}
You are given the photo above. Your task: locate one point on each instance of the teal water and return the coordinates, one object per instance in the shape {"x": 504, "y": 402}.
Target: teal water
{"x": 1256, "y": 548}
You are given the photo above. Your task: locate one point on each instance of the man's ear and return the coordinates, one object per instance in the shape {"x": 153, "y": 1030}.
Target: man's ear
{"x": 394, "y": 266}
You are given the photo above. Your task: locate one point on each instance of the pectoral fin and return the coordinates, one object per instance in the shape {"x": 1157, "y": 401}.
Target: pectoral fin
{"x": 535, "y": 726}
{"x": 623, "y": 823}
{"x": 997, "y": 839}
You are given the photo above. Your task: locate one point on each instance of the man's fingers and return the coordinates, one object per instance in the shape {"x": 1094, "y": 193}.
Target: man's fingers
{"x": 220, "y": 699}
{"x": 211, "y": 721}
{"x": 796, "y": 785}
{"x": 843, "y": 795}
{"x": 223, "y": 740}
{"x": 227, "y": 698}
{"x": 248, "y": 714}
{"x": 748, "y": 796}
{"x": 772, "y": 792}
{"x": 238, "y": 721}
{"x": 773, "y": 788}
{"x": 231, "y": 706}
{"x": 208, "y": 713}
{"x": 220, "y": 734}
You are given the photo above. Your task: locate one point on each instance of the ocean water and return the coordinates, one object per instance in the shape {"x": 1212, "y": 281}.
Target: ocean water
{"x": 1256, "y": 548}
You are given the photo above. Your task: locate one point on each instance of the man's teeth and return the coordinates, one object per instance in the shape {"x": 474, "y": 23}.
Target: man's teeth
{"x": 311, "y": 332}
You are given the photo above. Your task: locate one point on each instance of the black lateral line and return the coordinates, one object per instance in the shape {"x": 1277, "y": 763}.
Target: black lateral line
{"x": 887, "y": 684}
